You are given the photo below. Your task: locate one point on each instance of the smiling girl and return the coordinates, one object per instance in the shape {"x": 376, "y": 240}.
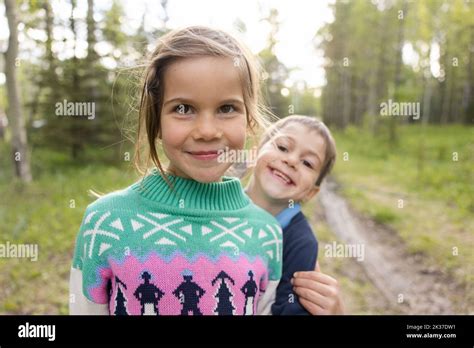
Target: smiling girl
{"x": 294, "y": 157}
{"x": 185, "y": 240}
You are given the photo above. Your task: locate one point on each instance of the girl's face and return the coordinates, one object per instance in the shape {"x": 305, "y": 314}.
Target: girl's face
{"x": 203, "y": 114}
{"x": 289, "y": 164}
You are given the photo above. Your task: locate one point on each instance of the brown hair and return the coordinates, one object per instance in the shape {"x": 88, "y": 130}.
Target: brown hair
{"x": 193, "y": 41}
{"x": 314, "y": 125}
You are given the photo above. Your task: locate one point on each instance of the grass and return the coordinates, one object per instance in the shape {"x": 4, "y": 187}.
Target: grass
{"x": 422, "y": 187}
{"x": 48, "y": 212}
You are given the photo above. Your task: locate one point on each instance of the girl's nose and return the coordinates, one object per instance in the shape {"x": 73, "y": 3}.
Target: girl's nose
{"x": 291, "y": 159}
{"x": 206, "y": 128}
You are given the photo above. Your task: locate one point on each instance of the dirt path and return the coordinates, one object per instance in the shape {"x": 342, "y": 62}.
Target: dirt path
{"x": 394, "y": 272}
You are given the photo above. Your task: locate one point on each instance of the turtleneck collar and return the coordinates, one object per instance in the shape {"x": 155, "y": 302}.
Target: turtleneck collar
{"x": 227, "y": 194}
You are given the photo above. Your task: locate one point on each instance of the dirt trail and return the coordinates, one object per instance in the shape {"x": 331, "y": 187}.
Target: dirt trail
{"x": 386, "y": 262}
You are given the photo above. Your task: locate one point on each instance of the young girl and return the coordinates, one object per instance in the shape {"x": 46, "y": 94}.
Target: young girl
{"x": 294, "y": 157}
{"x": 185, "y": 240}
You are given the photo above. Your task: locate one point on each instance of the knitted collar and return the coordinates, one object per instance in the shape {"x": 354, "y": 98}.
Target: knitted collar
{"x": 227, "y": 194}
{"x": 285, "y": 216}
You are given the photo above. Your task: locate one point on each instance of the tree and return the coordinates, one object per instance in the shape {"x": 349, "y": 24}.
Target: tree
{"x": 365, "y": 63}
{"x": 275, "y": 72}
{"x": 19, "y": 139}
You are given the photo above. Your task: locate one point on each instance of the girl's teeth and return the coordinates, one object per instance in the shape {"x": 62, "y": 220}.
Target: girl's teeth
{"x": 281, "y": 176}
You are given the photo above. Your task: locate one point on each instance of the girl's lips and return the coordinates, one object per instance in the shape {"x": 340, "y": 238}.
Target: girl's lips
{"x": 203, "y": 155}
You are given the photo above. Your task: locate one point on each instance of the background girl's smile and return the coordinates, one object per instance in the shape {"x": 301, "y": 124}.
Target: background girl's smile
{"x": 280, "y": 176}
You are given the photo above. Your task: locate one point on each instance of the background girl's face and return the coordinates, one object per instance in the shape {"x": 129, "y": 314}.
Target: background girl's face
{"x": 203, "y": 113}
{"x": 288, "y": 165}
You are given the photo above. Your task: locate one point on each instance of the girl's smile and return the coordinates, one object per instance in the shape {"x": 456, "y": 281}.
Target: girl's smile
{"x": 280, "y": 177}
{"x": 204, "y": 155}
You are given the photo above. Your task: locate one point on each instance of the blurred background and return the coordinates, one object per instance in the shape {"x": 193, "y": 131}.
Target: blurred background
{"x": 393, "y": 79}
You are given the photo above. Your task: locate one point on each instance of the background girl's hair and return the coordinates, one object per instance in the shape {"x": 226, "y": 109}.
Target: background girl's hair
{"x": 311, "y": 123}
{"x": 193, "y": 41}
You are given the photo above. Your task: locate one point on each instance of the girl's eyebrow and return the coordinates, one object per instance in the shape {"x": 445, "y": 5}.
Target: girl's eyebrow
{"x": 233, "y": 100}
{"x": 186, "y": 100}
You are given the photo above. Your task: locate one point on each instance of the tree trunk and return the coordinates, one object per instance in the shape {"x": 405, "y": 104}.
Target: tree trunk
{"x": 393, "y": 138}
{"x": 380, "y": 80}
{"x": 469, "y": 88}
{"x": 445, "y": 91}
{"x": 16, "y": 118}
{"x": 346, "y": 97}
{"x": 91, "y": 40}
{"x": 427, "y": 91}
{"x": 76, "y": 146}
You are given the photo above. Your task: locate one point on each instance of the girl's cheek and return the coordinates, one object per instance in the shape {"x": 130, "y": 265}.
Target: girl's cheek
{"x": 264, "y": 158}
{"x": 237, "y": 133}
{"x": 169, "y": 141}
{"x": 173, "y": 133}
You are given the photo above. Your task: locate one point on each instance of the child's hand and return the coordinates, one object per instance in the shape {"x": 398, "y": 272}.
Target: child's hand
{"x": 318, "y": 293}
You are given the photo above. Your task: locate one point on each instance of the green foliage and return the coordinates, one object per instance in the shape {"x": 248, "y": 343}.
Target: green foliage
{"x": 48, "y": 213}
{"x": 364, "y": 46}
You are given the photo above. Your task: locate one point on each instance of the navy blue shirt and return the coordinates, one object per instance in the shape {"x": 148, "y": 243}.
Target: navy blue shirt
{"x": 300, "y": 252}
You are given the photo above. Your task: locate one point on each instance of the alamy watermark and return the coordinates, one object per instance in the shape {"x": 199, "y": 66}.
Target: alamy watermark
{"x": 28, "y": 330}
{"x": 13, "y": 251}
{"x": 356, "y": 251}
{"x": 407, "y": 109}
{"x": 76, "y": 109}
{"x": 237, "y": 156}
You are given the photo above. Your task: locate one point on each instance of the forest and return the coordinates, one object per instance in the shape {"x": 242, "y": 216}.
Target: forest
{"x": 398, "y": 94}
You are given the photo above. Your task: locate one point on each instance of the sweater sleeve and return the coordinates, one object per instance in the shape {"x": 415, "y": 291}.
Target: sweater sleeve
{"x": 269, "y": 292}
{"x": 80, "y": 302}
{"x": 267, "y": 299}
{"x": 300, "y": 252}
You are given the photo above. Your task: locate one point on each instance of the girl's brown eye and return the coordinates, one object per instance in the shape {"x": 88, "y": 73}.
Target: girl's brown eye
{"x": 182, "y": 109}
{"x": 282, "y": 148}
{"x": 308, "y": 164}
{"x": 228, "y": 108}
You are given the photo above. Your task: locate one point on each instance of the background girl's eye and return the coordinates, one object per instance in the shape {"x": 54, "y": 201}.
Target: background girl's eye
{"x": 182, "y": 109}
{"x": 281, "y": 148}
{"x": 228, "y": 108}
{"x": 307, "y": 164}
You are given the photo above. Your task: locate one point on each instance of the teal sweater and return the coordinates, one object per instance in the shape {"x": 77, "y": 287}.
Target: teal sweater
{"x": 194, "y": 249}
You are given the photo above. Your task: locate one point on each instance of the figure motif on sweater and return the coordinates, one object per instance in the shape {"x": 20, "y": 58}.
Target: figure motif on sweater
{"x": 165, "y": 259}
{"x": 189, "y": 294}
{"x": 149, "y": 295}
{"x": 250, "y": 290}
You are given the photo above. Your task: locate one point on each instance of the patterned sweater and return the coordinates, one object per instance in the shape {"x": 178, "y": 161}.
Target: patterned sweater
{"x": 192, "y": 250}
